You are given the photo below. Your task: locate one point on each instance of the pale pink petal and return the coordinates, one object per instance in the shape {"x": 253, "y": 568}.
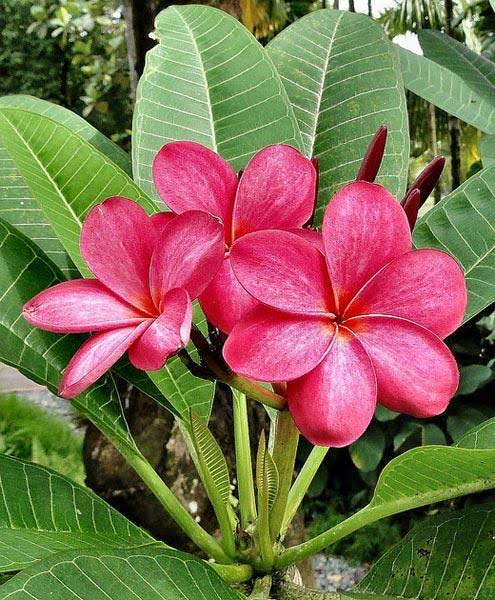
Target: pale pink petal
{"x": 166, "y": 335}
{"x": 79, "y": 306}
{"x": 100, "y": 352}
{"x": 188, "y": 254}
{"x": 284, "y": 271}
{"x": 424, "y": 286}
{"x": 225, "y": 301}
{"x": 334, "y": 403}
{"x": 276, "y": 191}
{"x": 312, "y": 236}
{"x": 117, "y": 241}
{"x": 364, "y": 228}
{"x": 415, "y": 371}
{"x": 269, "y": 345}
{"x": 189, "y": 176}
{"x": 161, "y": 220}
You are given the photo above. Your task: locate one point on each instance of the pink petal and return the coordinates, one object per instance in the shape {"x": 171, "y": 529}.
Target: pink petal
{"x": 284, "y": 271}
{"x": 415, "y": 371}
{"x": 276, "y": 191}
{"x": 189, "y": 176}
{"x": 79, "y": 306}
{"x": 312, "y": 236}
{"x": 117, "y": 241}
{"x": 95, "y": 356}
{"x": 363, "y": 229}
{"x": 161, "y": 220}
{"x": 269, "y": 345}
{"x": 188, "y": 254}
{"x": 166, "y": 335}
{"x": 225, "y": 301}
{"x": 424, "y": 286}
{"x": 334, "y": 403}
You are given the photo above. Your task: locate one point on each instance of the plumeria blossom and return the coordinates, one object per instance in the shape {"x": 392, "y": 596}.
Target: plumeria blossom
{"x": 147, "y": 272}
{"x": 359, "y": 323}
{"x": 275, "y": 191}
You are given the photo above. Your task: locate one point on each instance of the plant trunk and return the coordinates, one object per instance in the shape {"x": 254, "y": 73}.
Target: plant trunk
{"x": 336, "y": 4}
{"x": 454, "y": 125}
{"x": 352, "y": 8}
{"x": 370, "y": 9}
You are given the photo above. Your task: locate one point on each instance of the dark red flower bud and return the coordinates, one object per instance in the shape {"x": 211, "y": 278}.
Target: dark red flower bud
{"x": 411, "y": 205}
{"x": 373, "y": 157}
{"x": 428, "y": 178}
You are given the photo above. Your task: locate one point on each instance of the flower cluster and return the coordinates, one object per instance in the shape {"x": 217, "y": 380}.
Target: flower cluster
{"x": 347, "y": 317}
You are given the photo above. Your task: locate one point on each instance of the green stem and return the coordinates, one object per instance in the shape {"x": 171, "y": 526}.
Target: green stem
{"x": 284, "y": 456}
{"x": 244, "y": 466}
{"x": 261, "y": 588}
{"x": 233, "y": 573}
{"x": 302, "y": 483}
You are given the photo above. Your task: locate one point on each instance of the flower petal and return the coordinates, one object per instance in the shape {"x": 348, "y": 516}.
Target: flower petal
{"x": 117, "y": 241}
{"x": 161, "y": 220}
{"x": 276, "y": 191}
{"x": 166, "y": 335}
{"x": 225, "y": 301}
{"x": 189, "y": 176}
{"x": 269, "y": 345}
{"x": 284, "y": 271}
{"x": 364, "y": 228}
{"x": 424, "y": 286}
{"x": 188, "y": 255}
{"x": 415, "y": 371}
{"x": 334, "y": 403}
{"x": 97, "y": 355}
{"x": 79, "y": 306}
{"x": 312, "y": 236}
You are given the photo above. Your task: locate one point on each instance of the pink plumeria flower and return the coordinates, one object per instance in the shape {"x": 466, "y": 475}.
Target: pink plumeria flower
{"x": 275, "y": 191}
{"x": 362, "y": 322}
{"x": 146, "y": 273}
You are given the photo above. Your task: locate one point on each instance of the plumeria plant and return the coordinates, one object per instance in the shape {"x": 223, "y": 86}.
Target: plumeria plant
{"x": 266, "y": 242}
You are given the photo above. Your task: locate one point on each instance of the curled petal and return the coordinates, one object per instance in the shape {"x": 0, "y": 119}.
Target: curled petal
{"x": 411, "y": 205}
{"x": 166, "y": 335}
{"x": 96, "y": 356}
{"x": 80, "y": 306}
{"x": 117, "y": 241}
{"x": 364, "y": 228}
{"x": 284, "y": 271}
{"x": 334, "y": 403}
{"x": 425, "y": 286}
{"x": 188, "y": 255}
{"x": 269, "y": 345}
{"x": 225, "y": 302}
{"x": 415, "y": 371}
{"x": 276, "y": 191}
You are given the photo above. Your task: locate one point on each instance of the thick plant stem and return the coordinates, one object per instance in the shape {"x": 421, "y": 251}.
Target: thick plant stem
{"x": 302, "y": 483}
{"x": 245, "y": 481}
{"x": 261, "y": 588}
{"x": 233, "y": 573}
{"x": 284, "y": 456}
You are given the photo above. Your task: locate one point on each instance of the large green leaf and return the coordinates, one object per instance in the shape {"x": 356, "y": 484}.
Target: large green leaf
{"x": 343, "y": 79}
{"x": 42, "y": 512}
{"x": 487, "y": 150}
{"x": 134, "y": 573}
{"x": 449, "y": 556}
{"x": 65, "y": 173}
{"x": 481, "y": 436}
{"x": 463, "y": 223}
{"x": 210, "y": 81}
{"x": 447, "y": 90}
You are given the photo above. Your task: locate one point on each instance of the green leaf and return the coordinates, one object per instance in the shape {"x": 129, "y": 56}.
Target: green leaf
{"x": 447, "y": 90}
{"x": 267, "y": 478}
{"x": 383, "y": 414}
{"x": 367, "y": 452}
{"x": 210, "y": 81}
{"x": 473, "y": 377}
{"x": 481, "y": 436}
{"x": 404, "y": 433}
{"x": 149, "y": 573}
{"x": 487, "y": 150}
{"x": 448, "y": 556}
{"x": 65, "y": 173}
{"x": 343, "y": 79}
{"x": 42, "y": 513}
{"x": 432, "y": 435}
{"x": 463, "y": 224}
{"x": 461, "y": 419}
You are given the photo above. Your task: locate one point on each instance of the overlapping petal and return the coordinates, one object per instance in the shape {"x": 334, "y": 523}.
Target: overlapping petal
{"x": 425, "y": 286}
{"x": 188, "y": 255}
{"x": 364, "y": 228}
{"x": 276, "y": 191}
{"x": 96, "y": 356}
{"x": 225, "y": 301}
{"x": 80, "y": 306}
{"x": 161, "y": 219}
{"x": 416, "y": 372}
{"x": 334, "y": 403}
{"x": 166, "y": 335}
{"x": 269, "y": 345}
{"x": 284, "y": 271}
{"x": 117, "y": 242}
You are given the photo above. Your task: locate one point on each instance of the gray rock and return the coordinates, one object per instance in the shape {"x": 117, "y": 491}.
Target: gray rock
{"x": 334, "y": 573}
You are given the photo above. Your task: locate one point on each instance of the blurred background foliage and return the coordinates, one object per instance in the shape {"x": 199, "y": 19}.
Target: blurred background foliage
{"x": 87, "y": 55}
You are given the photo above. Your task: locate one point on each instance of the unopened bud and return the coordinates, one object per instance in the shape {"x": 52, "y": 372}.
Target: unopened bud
{"x": 373, "y": 157}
